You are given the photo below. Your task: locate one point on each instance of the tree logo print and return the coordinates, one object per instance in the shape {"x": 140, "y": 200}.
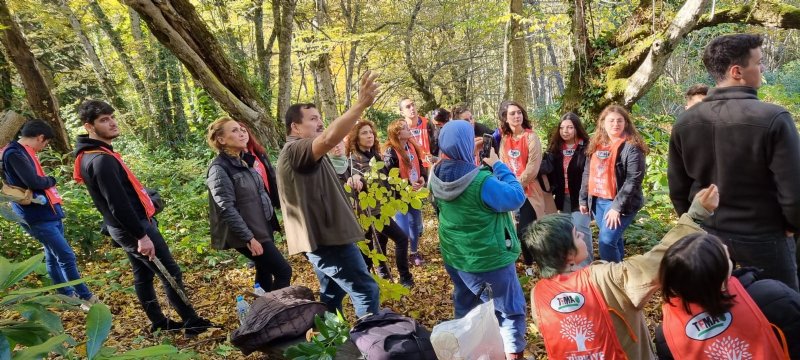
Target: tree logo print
{"x": 729, "y": 348}
{"x": 579, "y": 329}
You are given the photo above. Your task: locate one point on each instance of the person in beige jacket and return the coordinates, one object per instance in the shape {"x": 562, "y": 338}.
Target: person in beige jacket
{"x": 624, "y": 287}
{"x": 521, "y": 149}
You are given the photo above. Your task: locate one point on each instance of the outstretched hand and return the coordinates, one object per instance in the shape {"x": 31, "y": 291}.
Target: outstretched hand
{"x": 368, "y": 90}
{"x": 708, "y": 198}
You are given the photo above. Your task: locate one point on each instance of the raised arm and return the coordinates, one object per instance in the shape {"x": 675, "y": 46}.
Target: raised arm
{"x": 339, "y": 128}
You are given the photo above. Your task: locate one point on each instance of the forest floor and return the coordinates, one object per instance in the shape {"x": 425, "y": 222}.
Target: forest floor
{"x": 213, "y": 290}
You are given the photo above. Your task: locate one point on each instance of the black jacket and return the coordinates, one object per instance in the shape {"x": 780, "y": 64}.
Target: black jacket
{"x": 779, "y": 303}
{"x": 239, "y": 207}
{"x": 630, "y": 168}
{"x": 574, "y": 174}
{"x": 750, "y": 150}
{"x": 19, "y": 170}
{"x": 111, "y": 191}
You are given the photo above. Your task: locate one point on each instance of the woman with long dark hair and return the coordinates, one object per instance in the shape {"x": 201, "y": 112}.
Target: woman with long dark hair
{"x": 710, "y": 309}
{"x": 521, "y": 149}
{"x": 362, "y": 146}
{"x": 611, "y": 188}
{"x": 404, "y": 153}
{"x": 567, "y": 153}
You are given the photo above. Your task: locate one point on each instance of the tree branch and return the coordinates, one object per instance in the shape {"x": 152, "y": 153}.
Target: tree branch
{"x": 767, "y": 13}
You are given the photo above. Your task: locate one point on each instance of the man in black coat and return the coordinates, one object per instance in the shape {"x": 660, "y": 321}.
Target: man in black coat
{"x": 128, "y": 214}
{"x": 751, "y": 150}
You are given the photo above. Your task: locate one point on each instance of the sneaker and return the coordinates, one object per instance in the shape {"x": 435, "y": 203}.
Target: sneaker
{"x": 416, "y": 259}
{"x": 198, "y": 326}
{"x": 408, "y": 282}
{"x": 166, "y": 325}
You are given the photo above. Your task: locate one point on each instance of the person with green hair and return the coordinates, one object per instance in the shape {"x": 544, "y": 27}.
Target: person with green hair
{"x": 573, "y": 306}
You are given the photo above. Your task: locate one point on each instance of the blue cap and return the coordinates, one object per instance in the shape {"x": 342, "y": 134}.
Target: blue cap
{"x": 239, "y": 298}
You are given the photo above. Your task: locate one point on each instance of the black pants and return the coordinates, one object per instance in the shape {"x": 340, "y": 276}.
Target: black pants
{"x": 775, "y": 254}
{"x": 145, "y": 270}
{"x": 526, "y": 217}
{"x": 270, "y": 264}
{"x": 400, "y": 239}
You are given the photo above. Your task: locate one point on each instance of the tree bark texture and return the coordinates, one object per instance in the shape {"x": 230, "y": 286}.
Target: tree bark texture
{"x": 519, "y": 65}
{"x": 321, "y": 67}
{"x": 285, "y": 34}
{"x": 177, "y": 25}
{"x": 6, "y": 90}
{"x": 37, "y": 92}
{"x": 10, "y": 123}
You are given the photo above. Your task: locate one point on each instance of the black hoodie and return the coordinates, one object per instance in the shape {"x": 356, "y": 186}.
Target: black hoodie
{"x": 112, "y": 192}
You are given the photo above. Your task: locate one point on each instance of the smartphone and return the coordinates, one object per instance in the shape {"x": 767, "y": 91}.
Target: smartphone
{"x": 487, "y": 146}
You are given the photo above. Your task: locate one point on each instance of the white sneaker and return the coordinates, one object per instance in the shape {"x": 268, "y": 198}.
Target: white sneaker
{"x": 87, "y": 304}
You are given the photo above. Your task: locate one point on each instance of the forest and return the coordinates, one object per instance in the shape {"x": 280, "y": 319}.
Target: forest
{"x": 171, "y": 67}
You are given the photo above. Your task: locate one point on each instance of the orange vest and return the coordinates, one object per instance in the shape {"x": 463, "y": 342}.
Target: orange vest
{"x": 53, "y": 197}
{"x": 419, "y": 132}
{"x": 405, "y": 170}
{"x": 516, "y": 156}
{"x": 741, "y": 333}
{"x": 260, "y": 167}
{"x": 574, "y": 319}
{"x": 602, "y": 174}
{"x": 144, "y": 198}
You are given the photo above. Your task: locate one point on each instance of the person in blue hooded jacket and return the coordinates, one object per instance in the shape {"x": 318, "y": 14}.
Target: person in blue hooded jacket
{"x": 477, "y": 236}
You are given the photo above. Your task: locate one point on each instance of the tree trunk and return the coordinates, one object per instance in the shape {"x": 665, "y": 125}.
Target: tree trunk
{"x": 287, "y": 8}
{"x": 10, "y": 123}
{"x": 422, "y": 83}
{"x": 519, "y": 66}
{"x": 106, "y": 84}
{"x": 533, "y": 79}
{"x": 179, "y": 124}
{"x": 177, "y": 25}
{"x": 261, "y": 52}
{"x": 352, "y": 13}
{"x": 116, "y": 43}
{"x": 321, "y": 67}
{"x": 41, "y": 100}
{"x": 6, "y": 90}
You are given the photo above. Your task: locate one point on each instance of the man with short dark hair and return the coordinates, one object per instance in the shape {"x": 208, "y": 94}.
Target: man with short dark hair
{"x": 751, "y": 150}
{"x": 422, "y": 130}
{"x": 21, "y": 168}
{"x": 128, "y": 214}
{"x": 316, "y": 212}
{"x": 695, "y": 94}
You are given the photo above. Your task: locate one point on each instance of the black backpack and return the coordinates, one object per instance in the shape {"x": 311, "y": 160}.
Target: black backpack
{"x": 391, "y": 336}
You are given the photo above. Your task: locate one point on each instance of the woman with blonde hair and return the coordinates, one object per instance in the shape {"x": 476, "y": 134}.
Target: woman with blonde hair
{"x": 404, "y": 153}
{"x": 612, "y": 179}
{"x": 240, "y": 209}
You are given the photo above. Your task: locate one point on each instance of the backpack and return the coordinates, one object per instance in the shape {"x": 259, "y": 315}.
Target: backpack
{"x": 391, "y": 336}
{"x": 280, "y": 314}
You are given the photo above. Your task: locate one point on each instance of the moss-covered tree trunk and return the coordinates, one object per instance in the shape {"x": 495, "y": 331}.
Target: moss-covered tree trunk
{"x": 6, "y": 90}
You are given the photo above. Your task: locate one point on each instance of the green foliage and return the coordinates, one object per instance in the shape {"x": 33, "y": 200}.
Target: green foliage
{"x": 333, "y": 331}
{"x": 37, "y": 331}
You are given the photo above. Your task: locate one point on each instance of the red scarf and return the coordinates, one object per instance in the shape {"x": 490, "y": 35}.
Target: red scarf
{"x": 260, "y": 167}
{"x": 52, "y": 194}
{"x": 405, "y": 170}
{"x": 602, "y": 175}
{"x": 149, "y": 208}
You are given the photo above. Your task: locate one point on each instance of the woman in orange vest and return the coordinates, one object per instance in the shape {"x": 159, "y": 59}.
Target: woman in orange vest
{"x": 710, "y": 314}
{"x": 404, "y": 153}
{"x": 595, "y": 312}
{"x": 521, "y": 149}
{"x": 612, "y": 179}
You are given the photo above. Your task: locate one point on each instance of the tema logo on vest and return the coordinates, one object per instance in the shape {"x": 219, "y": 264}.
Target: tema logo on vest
{"x": 603, "y": 154}
{"x": 416, "y": 132}
{"x": 514, "y": 153}
{"x": 704, "y": 326}
{"x": 567, "y": 302}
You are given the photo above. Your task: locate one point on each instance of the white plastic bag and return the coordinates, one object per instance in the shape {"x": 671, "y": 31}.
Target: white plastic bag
{"x": 476, "y": 336}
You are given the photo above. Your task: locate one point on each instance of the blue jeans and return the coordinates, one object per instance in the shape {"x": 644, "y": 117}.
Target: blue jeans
{"x": 58, "y": 256}
{"x": 509, "y": 301}
{"x": 411, "y": 223}
{"x": 610, "y": 243}
{"x": 341, "y": 270}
